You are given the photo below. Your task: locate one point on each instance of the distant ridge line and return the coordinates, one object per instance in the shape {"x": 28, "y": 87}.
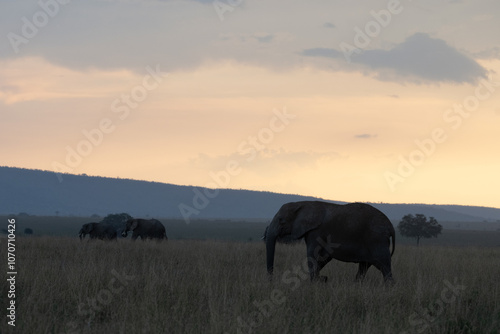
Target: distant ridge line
{"x": 39, "y": 192}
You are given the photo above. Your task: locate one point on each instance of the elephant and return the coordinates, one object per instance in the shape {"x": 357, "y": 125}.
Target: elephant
{"x": 146, "y": 229}
{"x": 354, "y": 232}
{"x": 98, "y": 231}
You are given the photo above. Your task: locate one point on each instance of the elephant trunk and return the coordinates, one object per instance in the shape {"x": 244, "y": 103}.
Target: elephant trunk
{"x": 393, "y": 236}
{"x": 82, "y": 235}
{"x": 270, "y": 248}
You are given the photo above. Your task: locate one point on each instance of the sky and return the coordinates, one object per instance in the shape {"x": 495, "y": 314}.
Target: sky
{"x": 379, "y": 101}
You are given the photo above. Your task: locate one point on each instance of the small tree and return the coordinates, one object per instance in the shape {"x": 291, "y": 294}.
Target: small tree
{"x": 117, "y": 220}
{"x": 419, "y": 227}
{"x": 28, "y": 231}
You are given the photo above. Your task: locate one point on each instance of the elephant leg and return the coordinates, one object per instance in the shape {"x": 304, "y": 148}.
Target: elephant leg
{"x": 363, "y": 268}
{"x": 385, "y": 269}
{"x": 321, "y": 263}
{"x": 317, "y": 258}
{"x": 387, "y": 273}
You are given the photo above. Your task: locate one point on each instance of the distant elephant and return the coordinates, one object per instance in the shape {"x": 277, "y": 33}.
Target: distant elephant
{"x": 146, "y": 229}
{"x": 354, "y": 232}
{"x": 286, "y": 239}
{"x": 98, "y": 231}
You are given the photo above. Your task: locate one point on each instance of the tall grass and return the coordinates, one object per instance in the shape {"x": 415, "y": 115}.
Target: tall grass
{"x": 67, "y": 286}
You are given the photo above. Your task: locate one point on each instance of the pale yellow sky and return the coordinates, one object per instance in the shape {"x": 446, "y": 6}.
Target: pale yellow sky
{"x": 264, "y": 108}
{"x": 340, "y": 143}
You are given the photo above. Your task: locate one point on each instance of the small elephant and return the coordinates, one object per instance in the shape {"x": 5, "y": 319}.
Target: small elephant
{"x": 146, "y": 229}
{"x": 354, "y": 232}
{"x": 98, "y": 231}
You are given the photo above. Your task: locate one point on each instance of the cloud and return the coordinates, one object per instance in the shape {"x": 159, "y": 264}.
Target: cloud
{"x": 241, "y": 39}
{"x": 8, "y": 93}
{"x": 9, "y": 89}
{"x": 116, "y": 34}
{"x": 322, "y": 52}
{"x": 184, "y": 35}
{"x": 491, "y": 53}
{"x": 264, "y": 39}
{"x": 365, "y": 136}
{"x": 419, "y": 59}
{"x": 205, "y": 1}
{"x": 264, "y": 160}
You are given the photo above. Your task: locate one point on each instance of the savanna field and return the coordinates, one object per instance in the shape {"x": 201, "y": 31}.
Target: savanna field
{"x": 208, "y": 286}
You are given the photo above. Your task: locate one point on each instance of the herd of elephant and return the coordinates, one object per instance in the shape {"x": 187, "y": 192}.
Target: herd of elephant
{"x": 354, "y": 232}
{"x": 146, "y": 229}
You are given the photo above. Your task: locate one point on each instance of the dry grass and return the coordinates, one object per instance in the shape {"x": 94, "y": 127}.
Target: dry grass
{"x": 64, "y": 286}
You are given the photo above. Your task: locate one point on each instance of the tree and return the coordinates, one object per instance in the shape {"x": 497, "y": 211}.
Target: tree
{"x": 28, "y": 231}
{"x": 419, "y": 227}
{"x": 117, "y": 220}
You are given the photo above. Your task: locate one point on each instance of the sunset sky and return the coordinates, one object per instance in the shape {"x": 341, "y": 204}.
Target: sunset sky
{"x": 376, "y": 101}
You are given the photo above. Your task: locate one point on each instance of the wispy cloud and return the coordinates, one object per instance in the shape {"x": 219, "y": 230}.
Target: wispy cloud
{"x": 265, "y": 39}
{"x": 266, "y": 159}
{"x": 490, "y": 53}
{"x": 365, "y": 136}
{"x": 322, "y": 52}
{"x": 329, "y": 25}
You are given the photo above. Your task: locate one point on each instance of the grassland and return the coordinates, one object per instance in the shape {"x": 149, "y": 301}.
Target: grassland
{"x": 209, "y": 286}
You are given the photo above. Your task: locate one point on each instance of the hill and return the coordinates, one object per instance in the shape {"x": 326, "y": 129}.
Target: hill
{"x": 39, "y": 192}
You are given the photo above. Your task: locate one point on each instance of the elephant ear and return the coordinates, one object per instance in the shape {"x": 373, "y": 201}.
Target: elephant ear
{"x": 308, "y": 217}
{"x": 135, "y": 222}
